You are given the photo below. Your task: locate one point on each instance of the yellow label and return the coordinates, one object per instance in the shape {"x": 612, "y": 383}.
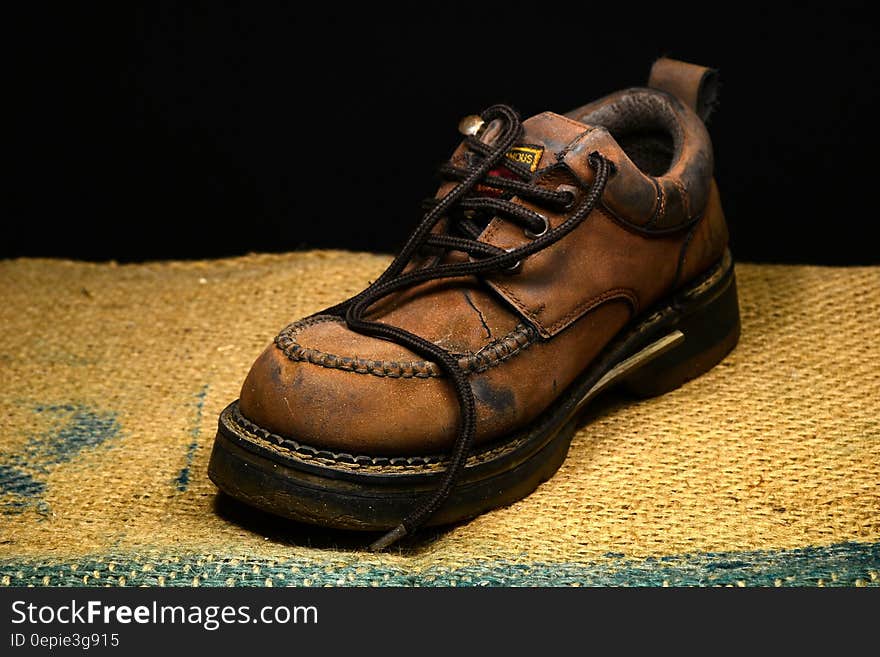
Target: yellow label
{"x": 528, "y": 156}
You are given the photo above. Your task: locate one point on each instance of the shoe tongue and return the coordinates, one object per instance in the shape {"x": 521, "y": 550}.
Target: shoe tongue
{"x": 544, "y": 137}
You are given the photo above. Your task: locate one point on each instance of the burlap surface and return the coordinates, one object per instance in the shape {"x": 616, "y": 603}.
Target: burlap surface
{"x": 766, "y": 470}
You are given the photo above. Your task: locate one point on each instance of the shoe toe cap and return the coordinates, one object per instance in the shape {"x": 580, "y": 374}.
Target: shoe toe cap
{"x": 391, "y": 403}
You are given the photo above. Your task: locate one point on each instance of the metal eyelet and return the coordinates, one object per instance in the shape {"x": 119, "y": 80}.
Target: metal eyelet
{"x": 534, "y": 236}
{"x": 572, "y": 191}
{"x": 471, "y": 125}
{"x": 515, "y": 267}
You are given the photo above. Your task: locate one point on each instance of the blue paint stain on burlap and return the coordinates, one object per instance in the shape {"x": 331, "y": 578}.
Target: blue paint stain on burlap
{"x": 84, "y": 428}
{"x": 182, "y": 479}
{"x": 15, "y": 481}
{"x": 23, "y": 473}
{"x": 841, "y": 564}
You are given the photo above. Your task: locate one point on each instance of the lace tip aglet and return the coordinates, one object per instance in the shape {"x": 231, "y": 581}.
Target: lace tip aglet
{"x": 388, "y": 539}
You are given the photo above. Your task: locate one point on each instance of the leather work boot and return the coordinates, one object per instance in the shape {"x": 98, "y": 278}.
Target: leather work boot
{"x": 563, "y": 255}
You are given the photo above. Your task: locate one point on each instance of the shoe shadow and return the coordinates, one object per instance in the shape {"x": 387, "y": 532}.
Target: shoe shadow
{"x": 297, "y": 534}
{"x": 606, "y": 403}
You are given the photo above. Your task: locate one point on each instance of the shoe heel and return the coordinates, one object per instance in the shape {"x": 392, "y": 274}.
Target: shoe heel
{"x": 710, "y": 324}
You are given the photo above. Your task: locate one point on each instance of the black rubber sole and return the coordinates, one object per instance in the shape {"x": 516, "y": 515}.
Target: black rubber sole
{"x": 676, "y": 342}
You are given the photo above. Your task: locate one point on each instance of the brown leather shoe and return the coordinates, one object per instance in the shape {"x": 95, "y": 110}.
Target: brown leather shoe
{"x": 564, "y": 254}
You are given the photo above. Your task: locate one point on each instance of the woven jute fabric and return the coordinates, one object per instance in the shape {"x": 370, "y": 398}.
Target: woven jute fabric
{"x": 766, "y": 470}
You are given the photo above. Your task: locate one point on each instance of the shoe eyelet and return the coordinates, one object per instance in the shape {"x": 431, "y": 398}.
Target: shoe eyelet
{"x": 534, "y": 236}
{"x": 572, "y": 191}
{"x": 471, "y": 125}
{"x": 515, "y": 267}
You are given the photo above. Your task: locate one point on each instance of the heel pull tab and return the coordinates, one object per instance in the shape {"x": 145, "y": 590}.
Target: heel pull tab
{"x": 696, "y": 86}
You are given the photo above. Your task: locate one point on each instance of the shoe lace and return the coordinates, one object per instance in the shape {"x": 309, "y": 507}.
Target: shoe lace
{"x": 459, "y": 205}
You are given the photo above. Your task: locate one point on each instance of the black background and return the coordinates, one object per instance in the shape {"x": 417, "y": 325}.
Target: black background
{"x": 203, "y": 131}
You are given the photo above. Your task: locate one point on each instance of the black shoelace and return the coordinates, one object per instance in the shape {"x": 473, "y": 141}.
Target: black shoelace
{"x": 462, "y": 204}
